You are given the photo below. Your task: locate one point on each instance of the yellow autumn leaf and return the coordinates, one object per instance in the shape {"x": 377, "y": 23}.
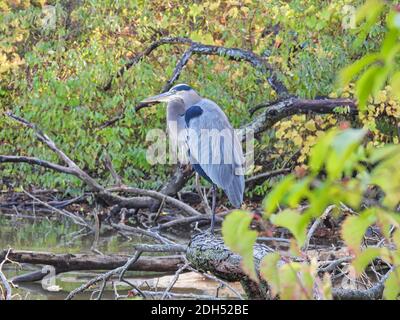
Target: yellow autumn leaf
{"x": 310, "y": 125}
{"x": 297, "y": 140}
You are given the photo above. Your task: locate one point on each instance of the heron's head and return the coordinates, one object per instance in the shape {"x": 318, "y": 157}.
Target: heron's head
{"x": 181, "y": 92}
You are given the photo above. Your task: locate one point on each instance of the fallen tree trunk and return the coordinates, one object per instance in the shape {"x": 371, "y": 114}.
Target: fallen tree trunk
{"x": 74, "y": 262}
{"x": 208, "y": 253}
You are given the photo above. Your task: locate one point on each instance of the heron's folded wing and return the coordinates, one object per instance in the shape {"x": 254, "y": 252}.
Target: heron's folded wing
{"x": 214, "y": 145}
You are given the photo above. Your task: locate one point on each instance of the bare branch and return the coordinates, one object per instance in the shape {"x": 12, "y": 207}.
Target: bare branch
{"x": 157, "y": 195}
{"x": 106, "y": 195}
{"x": 178, "y": 69}
{"x": 146, "y": 233}
{"x": 75, "y": 170}
{"x": 315, "y": 226}
{"x": 76, "y": 219}
{"x": 334, "y": 264}
{"x": 267, "y": 175}
{"x": 38, "y": 162}
{"x": 80, "y": 261}
{"x": 160, "y": 248}
{"x": 110, "y": 167}
{"x": 373, "y": 293}
{"x": 291, "y": 106}
{"x": 129, "y": 263}
{"x": 187, "y": 220}
{"x": 202, "y": 49}
{"x": 177, "y": 181}
{"x": 223, "y": 283}
{"x": 103, "y": 277}
{"x": 140, "y": 56}
{"x": 3, "y": 279}
{"x": 171, "y": 295}
{"x": 174, "y": 280}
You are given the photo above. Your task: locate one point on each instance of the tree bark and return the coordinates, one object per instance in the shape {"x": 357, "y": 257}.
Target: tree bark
{"x": 73, "y": 262}
{"x": 208, "y": 253}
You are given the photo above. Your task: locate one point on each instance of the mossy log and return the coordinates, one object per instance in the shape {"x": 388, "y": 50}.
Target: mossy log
{"x": 208, "y": 253}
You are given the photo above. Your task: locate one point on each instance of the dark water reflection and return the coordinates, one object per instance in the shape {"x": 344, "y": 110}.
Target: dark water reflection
{"x": 61, "y": 236}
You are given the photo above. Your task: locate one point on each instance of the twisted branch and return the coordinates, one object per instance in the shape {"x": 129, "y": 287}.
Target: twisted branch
{"x": 3, "y": 279}
{"x": 73, "y": 169}
{"x": 203, "y": 49}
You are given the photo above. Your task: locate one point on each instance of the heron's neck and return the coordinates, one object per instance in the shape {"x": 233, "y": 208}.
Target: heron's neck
{"x": 175, "y": 109}
{"x": 191, "y": 99}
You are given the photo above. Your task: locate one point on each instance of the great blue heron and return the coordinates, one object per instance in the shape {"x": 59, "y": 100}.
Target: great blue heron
{"x": 213, "y": 149}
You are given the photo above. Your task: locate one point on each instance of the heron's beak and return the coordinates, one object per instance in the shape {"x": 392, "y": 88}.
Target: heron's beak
{"x": 163, "y": 97}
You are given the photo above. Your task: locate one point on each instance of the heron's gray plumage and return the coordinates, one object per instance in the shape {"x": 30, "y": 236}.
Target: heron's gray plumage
{"x": 227, "y": 176}
{"x": 176, "y": 124}
{"x": 220, "y": 160}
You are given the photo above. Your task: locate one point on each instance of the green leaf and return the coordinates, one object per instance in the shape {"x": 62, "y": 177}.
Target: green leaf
{"x": 240, "y": 239}
{"x": 395, "y": 83}
{"x": 269, "y": 271}
{"x": 344, "y": 144}
{"x": 370, "y": 11}
{"x": 276, "y": 195}
{"x": 371, "y": 8}
{"x": 354, "y": 228}
{"x": 396, "y": 239}
{"x": 366, "y": 85}
{"x": 346, "y": 141}
{"x": 298, "y": 192}
{"x": 386, "y": 175}
{"x": 392, "y": 285}
{"x": 364, "y": 258}
{"x": 390, "y": 45}
{"x": 384, "y": 152}
{"x": 393, "y": 20}
{"x": 295, "y": 222}
{"x": 387, "y": 220}
{"x": 289, "y": 278}
{"x": 348, "y": 73}
{"x": 320, "y": 150}
{"x": 326, "y": 194}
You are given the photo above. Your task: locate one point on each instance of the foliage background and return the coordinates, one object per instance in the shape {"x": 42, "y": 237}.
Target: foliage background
{"x": 53, "y": 77}
{"x": 53, "y": 74}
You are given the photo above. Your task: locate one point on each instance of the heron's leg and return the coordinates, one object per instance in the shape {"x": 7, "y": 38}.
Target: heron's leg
{"x": 203, "y": 195}
{"x": 213, "y": 205}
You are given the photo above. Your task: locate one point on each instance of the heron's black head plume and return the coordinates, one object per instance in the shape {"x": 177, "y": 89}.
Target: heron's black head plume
{"x": 181, "y": 87}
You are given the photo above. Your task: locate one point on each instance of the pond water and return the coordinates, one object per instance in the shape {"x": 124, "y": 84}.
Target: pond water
{"x": 58, "y": 236}
{"x": 62, "y": 236}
